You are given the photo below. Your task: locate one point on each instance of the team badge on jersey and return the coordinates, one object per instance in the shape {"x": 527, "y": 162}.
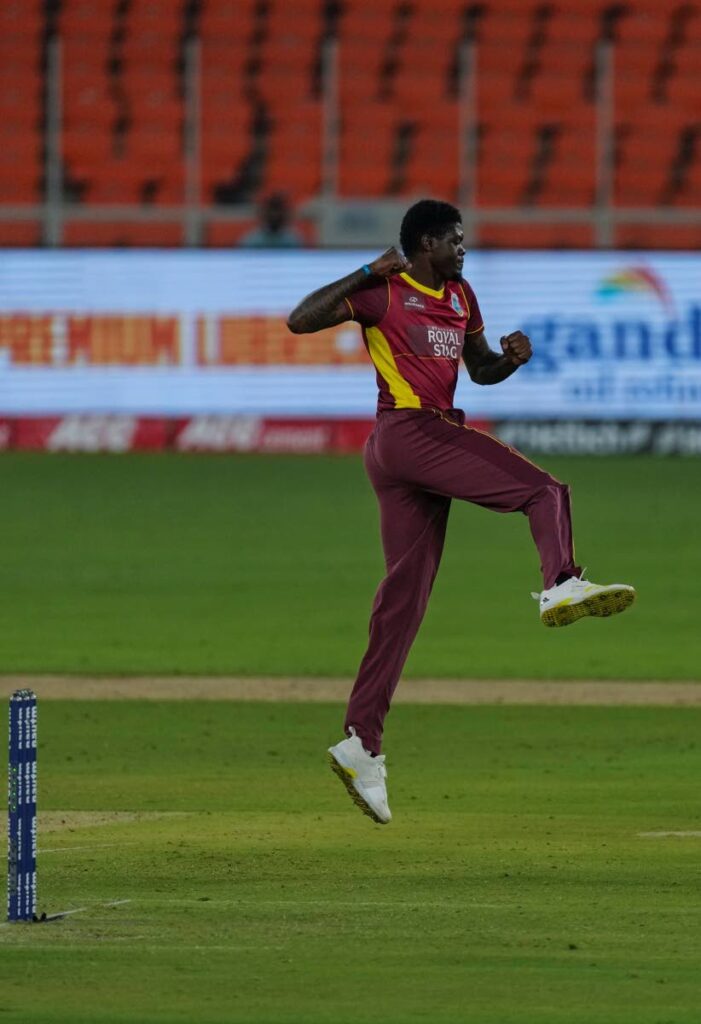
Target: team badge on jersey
{"x": 455, "y": 303}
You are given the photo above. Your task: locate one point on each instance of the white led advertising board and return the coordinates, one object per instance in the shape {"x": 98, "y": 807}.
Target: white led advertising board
{"x": 615, "y": 335}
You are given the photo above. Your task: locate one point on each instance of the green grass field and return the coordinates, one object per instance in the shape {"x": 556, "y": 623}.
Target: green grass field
{"x": 249, "y": 565}
{"x": 221, "y": 872}
{"x": 513, "y": 887}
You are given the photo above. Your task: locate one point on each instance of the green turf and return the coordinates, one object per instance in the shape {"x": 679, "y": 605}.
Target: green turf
{"x": 513, "y": 886}
{"x": 268, "y": 565}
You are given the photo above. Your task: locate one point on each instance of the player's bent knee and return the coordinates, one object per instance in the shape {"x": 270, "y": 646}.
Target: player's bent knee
{"x": 549, "y": 490}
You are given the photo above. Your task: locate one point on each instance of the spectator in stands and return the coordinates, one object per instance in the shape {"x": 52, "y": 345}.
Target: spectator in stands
{"x": 274, "y": 231}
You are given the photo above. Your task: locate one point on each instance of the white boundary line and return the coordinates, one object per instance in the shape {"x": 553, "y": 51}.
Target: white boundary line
{"x": 67, "y": 913}
{"x": 665, "y": 835}
{"x": 71, "y": 849}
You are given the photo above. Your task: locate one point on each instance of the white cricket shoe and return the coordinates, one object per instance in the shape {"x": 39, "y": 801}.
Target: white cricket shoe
{"x": 576, "y": 598}
{"x": 363, "y": 776}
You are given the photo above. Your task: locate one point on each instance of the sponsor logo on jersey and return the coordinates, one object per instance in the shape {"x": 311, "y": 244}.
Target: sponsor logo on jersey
{"x": 414, "y": 302}
{"x": 444, "y": 342}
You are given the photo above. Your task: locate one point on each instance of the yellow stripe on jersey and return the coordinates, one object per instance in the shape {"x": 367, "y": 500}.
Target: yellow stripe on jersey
{"x": 436, "y": 293}
{"x": 381, "y": 355}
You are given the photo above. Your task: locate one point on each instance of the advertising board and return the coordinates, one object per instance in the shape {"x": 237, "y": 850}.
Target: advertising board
{"x": 177, "y": 334}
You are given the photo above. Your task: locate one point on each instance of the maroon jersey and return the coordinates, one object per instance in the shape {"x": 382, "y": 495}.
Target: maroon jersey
{"x": 415, "y": 337}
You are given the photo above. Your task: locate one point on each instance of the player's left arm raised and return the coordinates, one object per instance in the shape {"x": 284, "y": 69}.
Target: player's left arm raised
{"x": 488, "y": 367}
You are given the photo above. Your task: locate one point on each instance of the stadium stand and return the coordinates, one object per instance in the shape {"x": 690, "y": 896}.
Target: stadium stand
{"x": 21, "y": 26}
{"x": 123, "y": 88}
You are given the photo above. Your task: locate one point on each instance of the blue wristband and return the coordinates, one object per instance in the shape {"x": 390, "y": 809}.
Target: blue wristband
{"x": 366, "y": 269}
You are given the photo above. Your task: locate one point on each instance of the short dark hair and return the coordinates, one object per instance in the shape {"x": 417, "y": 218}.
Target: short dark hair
{"x": 427, "y": 217}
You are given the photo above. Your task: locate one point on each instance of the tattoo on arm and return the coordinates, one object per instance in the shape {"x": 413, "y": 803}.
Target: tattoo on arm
{"x": 326, "y": 306}
{"x": 484, "y": 365}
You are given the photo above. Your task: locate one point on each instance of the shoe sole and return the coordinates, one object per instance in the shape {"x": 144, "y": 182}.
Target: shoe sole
{"x": 346, "y": 778}
{"x": 600, "y": 606}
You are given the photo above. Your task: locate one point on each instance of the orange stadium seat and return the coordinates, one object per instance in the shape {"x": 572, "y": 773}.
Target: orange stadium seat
{"x": 298, "y": 179}
{"x": 500, "y": 187}
{"x": 572, "y": 30}
{"x": 556, "y": 96}
{"x": 689, "y": 193}
{"x": 536, "y": 236}
{"x": 359, "y": 73}
{"x": 84, "y": 92}
{"x": 262, "y": 115}
{"x": 495, "y": 91}
{"x": 222, "y": 56}
{"x": 640, "y": 45}
{"x": 20, "y": 182}
{"x": 632, "y": 95}
{"x": 171, "y": 186}
{"x": 149, "y": 19}
{"x": 365, "y": 172}
{"x": 292, "y": 24}
{"x": 568, "y": 184}
{"x": 221, "y": 152}
{"x": 227, "y": 234}
{"x": 427, "y": 91}
{"x": 640, "y": 187}
{"x": 20, "y": 31}
{"x": 226, "y": 127}
{"x": 682, "y": 92}
{"x": 646, "y": 155}
{"x": 15, "y": 11}
{"x": 111, "y": 183}
{"x": 223, "y": 102}
{"x": 423, "y": 23}
{"x": 505, "y": 28}
{"x": 364, "y": 180}
{"x": 658, "y": 236}
{"x": 153, "y": 150}
{"x": 150, "y": 54}
{"x": 21, "y": 109}
{"x": 122, "y": 234}
{"x": 87, "y": 39}
{"x": 20, "y": 161}
{"x": 85, "y": 10}
{"x": 85, "y": 149}
{"x": 20, "y": 102}
{"x": 227, "y": 23}
{"x": 93, "y": 24}
{"x": 568, "y": 177}
{"x": 508, "y": 142}
{"x": 226, "y": 114}
{"x": 285, "y": 90}
{"x": 20, "y": 234}
{"x": 370, "y": 15}
{"x": 294, "y": 153}
{"x": 20, "y": 54}
{"x": 430, "y": 177}
{"x": 87, "y": 99}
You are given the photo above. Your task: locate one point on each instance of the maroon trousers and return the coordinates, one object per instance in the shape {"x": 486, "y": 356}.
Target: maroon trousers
{"x": 417, "y": 460}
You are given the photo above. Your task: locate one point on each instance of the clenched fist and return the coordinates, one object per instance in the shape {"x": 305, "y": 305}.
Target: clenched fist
{"x": 390, "y": 262}
{"x": 517, "y": 347}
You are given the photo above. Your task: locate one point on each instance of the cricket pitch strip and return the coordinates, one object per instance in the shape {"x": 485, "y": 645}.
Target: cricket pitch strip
{"x": 409, "y": 691}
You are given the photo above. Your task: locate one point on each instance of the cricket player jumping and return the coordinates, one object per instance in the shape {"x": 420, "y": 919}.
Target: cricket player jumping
{"x": 419, "y": 317}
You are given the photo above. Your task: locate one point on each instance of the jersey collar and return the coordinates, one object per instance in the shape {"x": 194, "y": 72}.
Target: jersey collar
{"x": 423, "y": 288}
